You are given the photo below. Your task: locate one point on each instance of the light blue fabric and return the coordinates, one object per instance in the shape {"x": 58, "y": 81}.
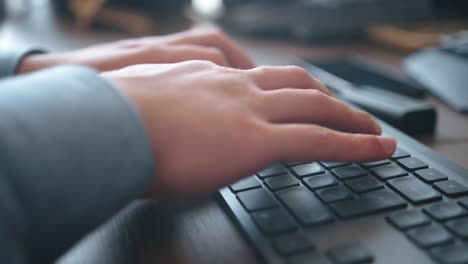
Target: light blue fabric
{"x": 72, "y": 153}
{"x": 10, "y": 59}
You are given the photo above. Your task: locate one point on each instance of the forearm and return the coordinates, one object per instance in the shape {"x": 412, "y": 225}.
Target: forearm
{"x": 72, "y": 153}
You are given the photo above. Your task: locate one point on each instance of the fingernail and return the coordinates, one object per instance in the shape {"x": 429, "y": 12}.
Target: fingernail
{"x": 389, "y": 144}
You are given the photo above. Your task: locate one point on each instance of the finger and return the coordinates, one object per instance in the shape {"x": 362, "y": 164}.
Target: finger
{"x": 297, "y": 142}
{"x": 193, "y": 52}
{"x": 272, "y": 78}
{"x": 312, "y": 106}
{"x": 215, "y": 38}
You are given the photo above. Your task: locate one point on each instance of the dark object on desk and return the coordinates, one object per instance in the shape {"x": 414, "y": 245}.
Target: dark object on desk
{"x": 149, "y": 5}
{"x": 451, "y": 8}
{"x": 318, "y": 20}
{"x": 365, "y": 72}
{"x": 415, "y": 203}
{"x": 443, "y": 70}
{"x": 2, "y": 9}
{"x": 137, "y": 17}
{"x": 410, "y": 115}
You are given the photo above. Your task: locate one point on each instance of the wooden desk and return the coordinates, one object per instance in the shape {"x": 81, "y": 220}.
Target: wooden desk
{"x": 197, "y": 231}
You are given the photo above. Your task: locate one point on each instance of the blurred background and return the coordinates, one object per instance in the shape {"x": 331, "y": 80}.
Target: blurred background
{"x": 402, "y": 24}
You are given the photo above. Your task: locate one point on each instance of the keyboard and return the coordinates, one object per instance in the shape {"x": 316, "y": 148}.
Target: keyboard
{"x": 442, "y": 70}
{"x": 410, "y": 208}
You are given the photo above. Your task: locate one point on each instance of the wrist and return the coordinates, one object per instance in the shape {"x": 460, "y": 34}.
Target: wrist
{"x": 35, "y": 62}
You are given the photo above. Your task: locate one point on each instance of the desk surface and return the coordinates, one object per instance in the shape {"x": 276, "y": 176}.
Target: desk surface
{"x": 198, "y": 231}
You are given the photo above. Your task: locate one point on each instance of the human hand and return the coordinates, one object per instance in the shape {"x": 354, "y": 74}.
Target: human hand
{"x": 209, "y": 126}
{"x": 209, "y": 44}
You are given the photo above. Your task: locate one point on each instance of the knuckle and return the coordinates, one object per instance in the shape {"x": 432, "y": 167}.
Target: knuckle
{"x": 245, "y": 87}
{"x": 201, "y": 64}
{"x": 322, "y": 132}
{"x": 364, "y": 116}
{"x": 373, "y": 144}
{"x": 215, "y": 54}
{"x": 298, "y": 71}
{"x": 263, "y": 70}
{"x": 214, "y": 51}
{"x": 318, "y": 96}
{"x": 242, "y": 77}
{"x": 233, "y": 82}
{"x": 320, "y": 84}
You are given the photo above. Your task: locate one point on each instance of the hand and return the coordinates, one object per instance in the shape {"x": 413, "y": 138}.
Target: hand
{"x": 211, "y": 45}
{"x": 209, "y": 126}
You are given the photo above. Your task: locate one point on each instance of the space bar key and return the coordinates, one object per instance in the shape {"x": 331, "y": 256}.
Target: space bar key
{"x": 369, "y": 203}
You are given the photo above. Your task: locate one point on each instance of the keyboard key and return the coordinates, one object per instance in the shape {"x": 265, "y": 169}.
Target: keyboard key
{"x": 388, "y": 172}
{"x": 320, "y": 181}
{"x": 309, "y": 257}
{"x": 292, "y": 243}
{"x": 399, "y": 153}
{"x": 445, "y": 211}
{"x": 245, "y": 184}
{"x": 281, "y": 182}
{"x": 349, "y": 172}
{"x": 331, "y": 165}
{"x": 451, "y": 188}
{"x": 333, "y": 194}
{"x": 412, "y": 164}
{"x": 408, "y": 219}
{"x": 364, "y": 184}
{"x": 350, "y": 254}
{"x": 375, "y": 163}
{"x": 307, "y": 169}
{"x": 256, "y": 199}
{"x": 275, "y": 169}
{"x": 291, "y": 163}
{"x": 456, "y": 254}
{"x": 414, "y": 190}
{"x": 368, "y": 203}
{"x": 459, "y": 227}
{"x": 274, "y": 221}
{"x": 305, "y": 206}
{"x": 430, "y": 175}
{"x": 464, "y": 202}
{"x": 429, "y": 236}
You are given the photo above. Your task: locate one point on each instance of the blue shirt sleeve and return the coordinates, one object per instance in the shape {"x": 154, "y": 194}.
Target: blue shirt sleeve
{"x": 10, "y": 59}
{"x": 73, "y": 152}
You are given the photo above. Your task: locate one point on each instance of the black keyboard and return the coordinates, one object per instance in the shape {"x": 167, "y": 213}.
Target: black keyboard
{"x": 411, "y": 208}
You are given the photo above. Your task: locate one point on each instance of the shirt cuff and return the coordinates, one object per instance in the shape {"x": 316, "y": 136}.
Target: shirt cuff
{"x": 75, "y": 151}
{"x": 10, "y": 59}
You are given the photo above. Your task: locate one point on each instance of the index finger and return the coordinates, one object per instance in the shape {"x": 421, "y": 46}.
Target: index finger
{"x": 301, "y": 142}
